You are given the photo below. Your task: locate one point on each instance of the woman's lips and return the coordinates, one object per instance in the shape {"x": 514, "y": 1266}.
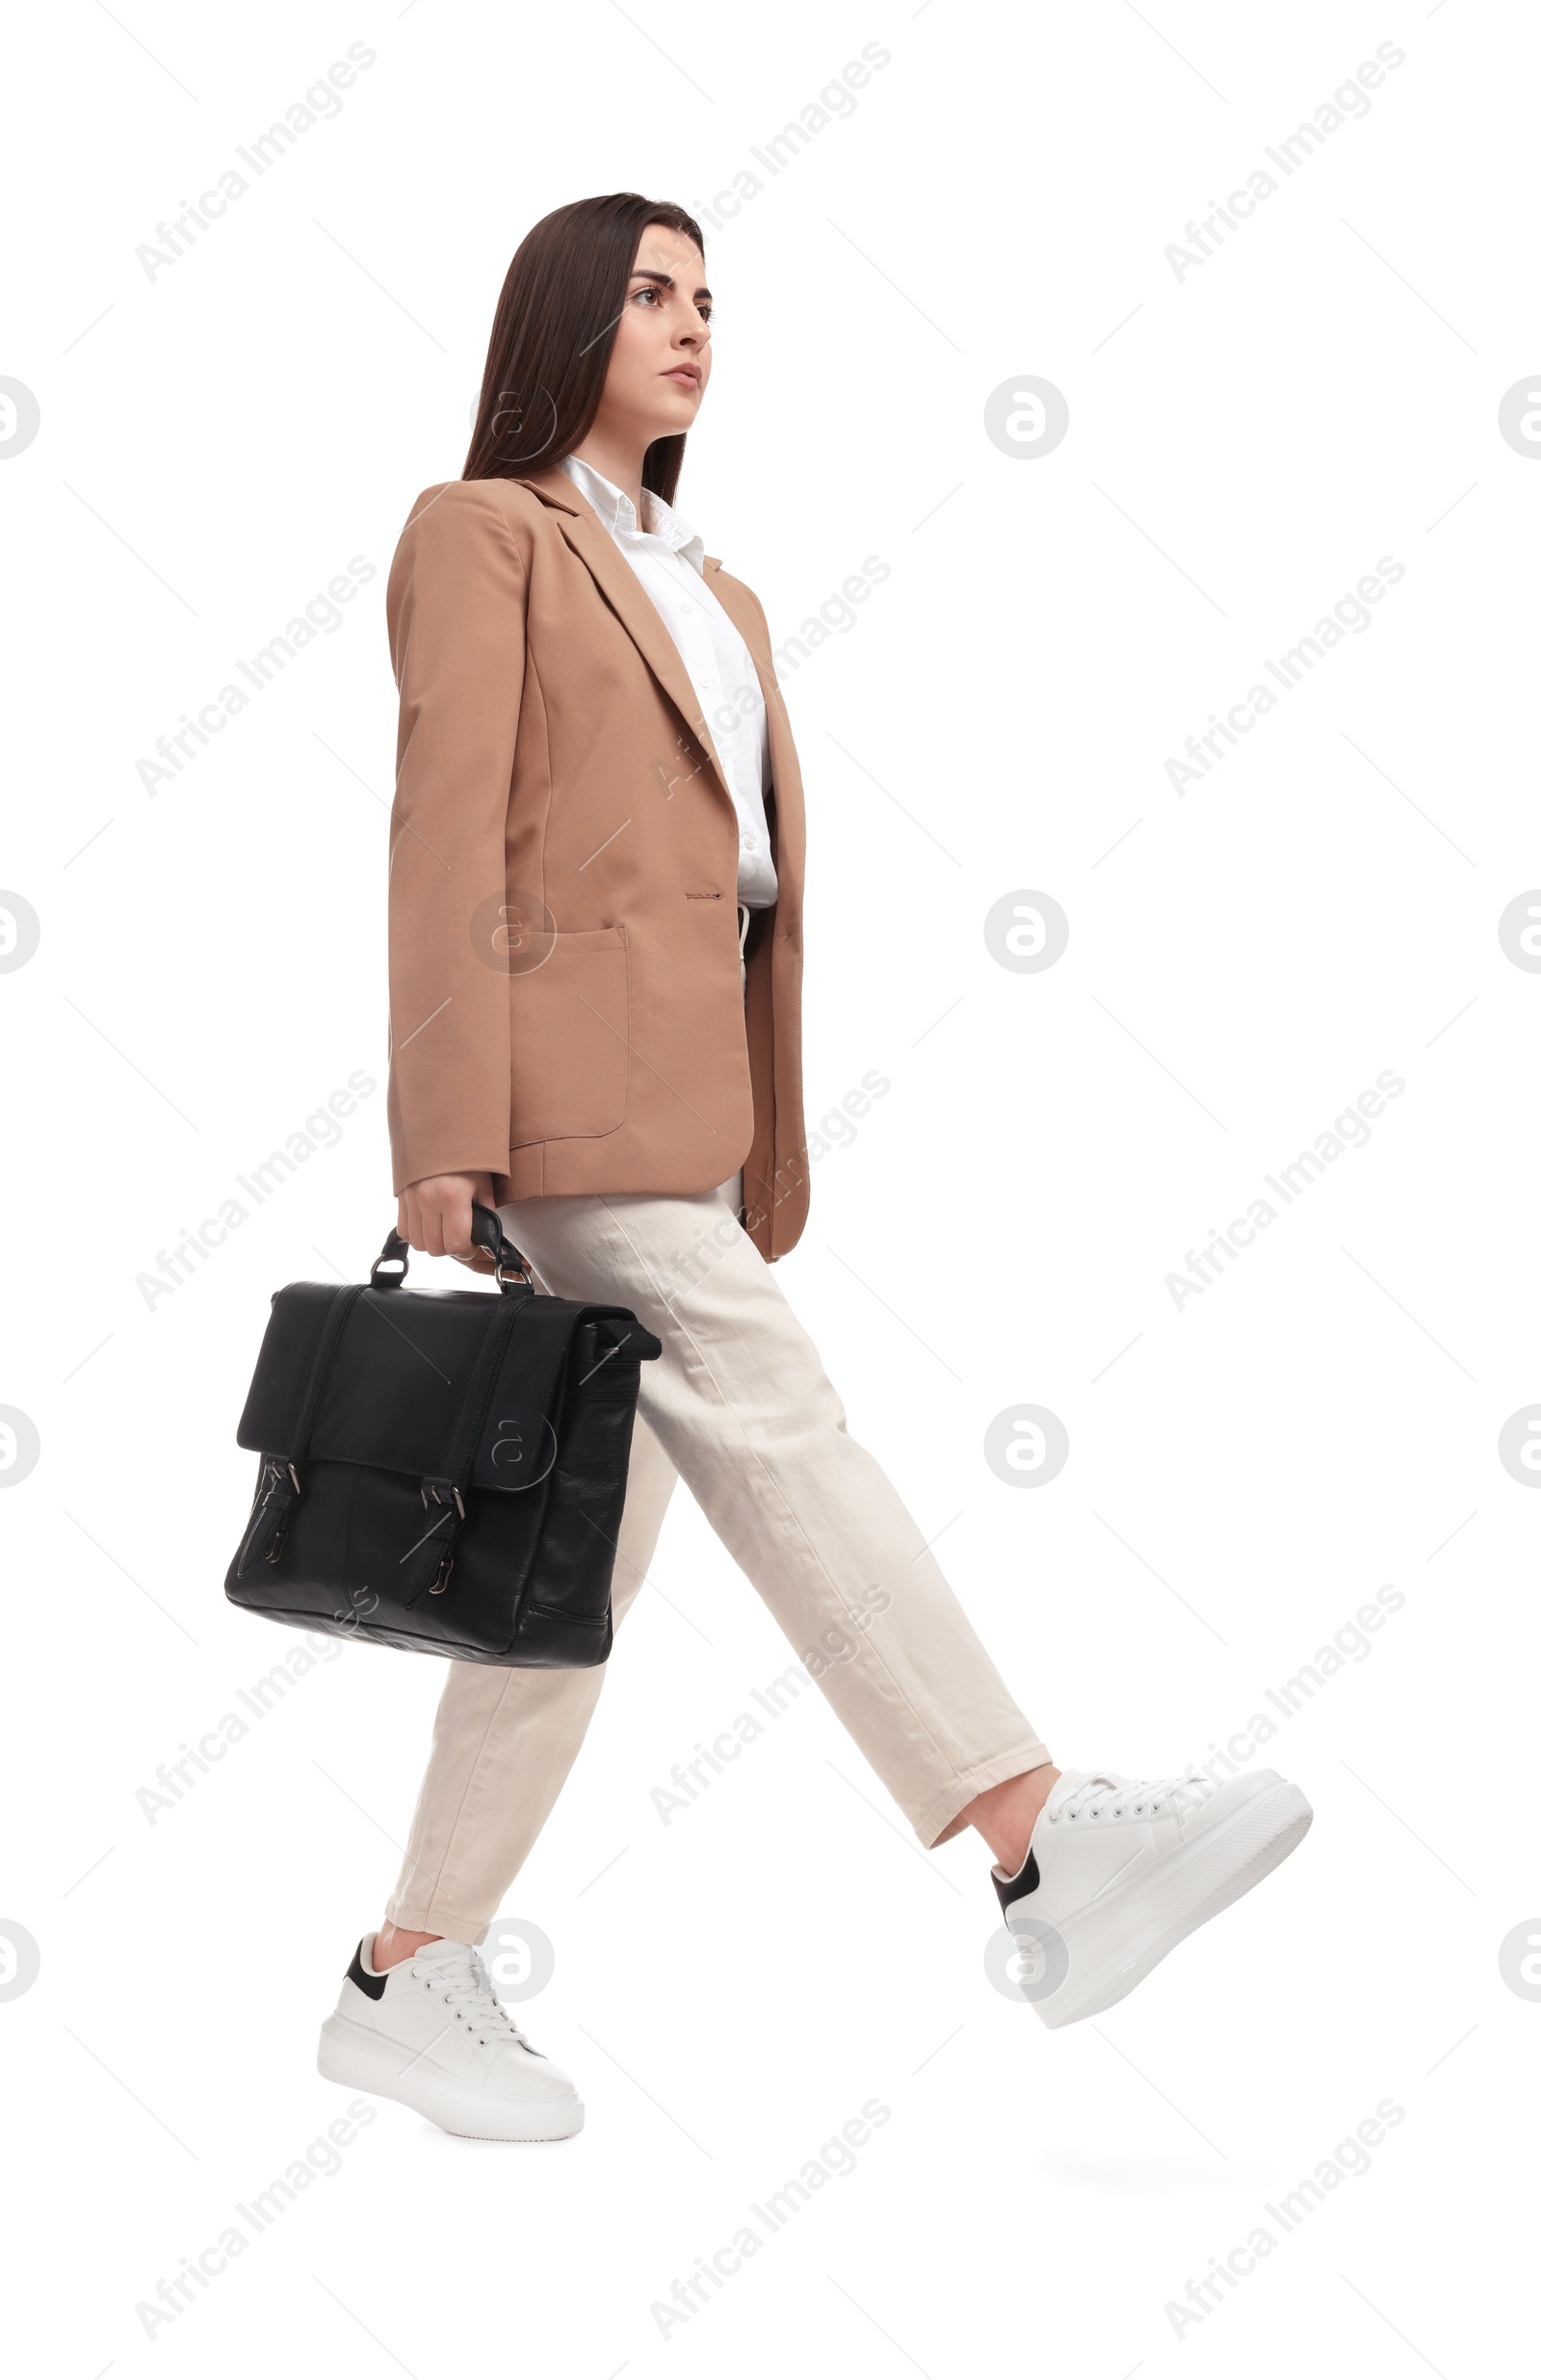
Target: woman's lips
{"x": 685, "y": 377}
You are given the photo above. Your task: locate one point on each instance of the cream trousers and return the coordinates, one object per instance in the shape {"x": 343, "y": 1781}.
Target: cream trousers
{"x": 739, "y": 1407}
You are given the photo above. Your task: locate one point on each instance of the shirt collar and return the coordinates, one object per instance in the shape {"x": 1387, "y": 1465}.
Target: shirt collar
{"x": 620, "y": 514}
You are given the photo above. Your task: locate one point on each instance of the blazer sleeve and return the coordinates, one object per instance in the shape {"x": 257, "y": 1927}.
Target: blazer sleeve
{"x": 455, "y": 609}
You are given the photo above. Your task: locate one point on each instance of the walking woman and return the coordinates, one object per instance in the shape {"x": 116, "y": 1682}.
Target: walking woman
{"x": 596, "y": 966}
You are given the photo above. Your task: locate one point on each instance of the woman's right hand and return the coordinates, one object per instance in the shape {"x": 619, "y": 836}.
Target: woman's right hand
{"x": 434, "y": 1215}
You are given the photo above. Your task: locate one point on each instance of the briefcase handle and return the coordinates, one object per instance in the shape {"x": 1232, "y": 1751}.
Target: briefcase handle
{"x": 512, "y": 1272}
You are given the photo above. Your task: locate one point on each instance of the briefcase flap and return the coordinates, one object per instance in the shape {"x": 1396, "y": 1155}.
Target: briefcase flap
{"x": 389, "y": 1379}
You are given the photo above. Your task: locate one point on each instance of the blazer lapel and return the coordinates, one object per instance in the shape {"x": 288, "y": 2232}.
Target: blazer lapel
{"x": 785, "y": 777}
{"x": 623, "y": 590}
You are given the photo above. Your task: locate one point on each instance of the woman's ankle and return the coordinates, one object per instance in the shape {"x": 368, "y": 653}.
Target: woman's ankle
{"x": 391, "y": 1944}
{"x": 1006, "y": 1814}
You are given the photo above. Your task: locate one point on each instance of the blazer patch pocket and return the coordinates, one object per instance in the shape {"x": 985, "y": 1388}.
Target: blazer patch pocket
{"x": 570, "y": 1019}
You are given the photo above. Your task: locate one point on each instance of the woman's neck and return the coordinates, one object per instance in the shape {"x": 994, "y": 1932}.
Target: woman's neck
{"x": 617, "y": 460}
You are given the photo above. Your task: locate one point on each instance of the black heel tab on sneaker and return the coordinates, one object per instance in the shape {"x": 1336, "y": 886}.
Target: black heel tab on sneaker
{"x": 373, "y": 1985}
{"x": 1017, "y": 1887}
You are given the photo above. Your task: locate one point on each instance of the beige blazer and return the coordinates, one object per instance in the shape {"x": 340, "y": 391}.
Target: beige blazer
{"x": 567, "y": 1010}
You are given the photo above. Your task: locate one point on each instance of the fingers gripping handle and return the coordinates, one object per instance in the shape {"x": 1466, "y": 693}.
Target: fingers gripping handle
{"x": 389, "y": 1268}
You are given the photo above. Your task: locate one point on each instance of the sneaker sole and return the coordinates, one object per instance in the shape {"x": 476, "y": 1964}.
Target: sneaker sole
{"x": 1110, "y": 1955}
{"x": 349, "y": 2056}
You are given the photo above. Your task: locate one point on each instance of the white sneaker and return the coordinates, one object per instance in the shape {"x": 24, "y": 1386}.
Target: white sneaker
{"x": 433, "y": 2032}
{"x": 1119, "y": 1869}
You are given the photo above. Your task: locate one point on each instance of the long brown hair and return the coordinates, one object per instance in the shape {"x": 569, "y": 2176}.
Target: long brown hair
{"x": 553, "y": 333}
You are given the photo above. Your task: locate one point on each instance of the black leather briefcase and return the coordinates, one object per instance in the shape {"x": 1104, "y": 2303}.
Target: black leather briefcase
{"x": 441, "y": 1469}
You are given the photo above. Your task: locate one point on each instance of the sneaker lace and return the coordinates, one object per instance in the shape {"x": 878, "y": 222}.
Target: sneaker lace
{"x": 1110, "y": 1794}
{"x": 466, "y": 1991}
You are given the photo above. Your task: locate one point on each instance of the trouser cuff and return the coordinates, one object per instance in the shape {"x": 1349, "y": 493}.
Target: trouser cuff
{"x": 944, "y": 1806}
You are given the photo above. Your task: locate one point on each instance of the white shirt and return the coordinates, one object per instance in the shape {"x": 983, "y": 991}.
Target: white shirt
{"x": 666, "y": 557}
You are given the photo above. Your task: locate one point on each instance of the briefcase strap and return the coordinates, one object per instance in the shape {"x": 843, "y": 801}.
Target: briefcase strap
{"x": 443, "y": 1491}
{"x": 279, "y": 1488}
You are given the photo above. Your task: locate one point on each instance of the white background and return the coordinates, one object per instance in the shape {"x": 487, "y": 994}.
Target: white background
{"x": 1245, "y": 443}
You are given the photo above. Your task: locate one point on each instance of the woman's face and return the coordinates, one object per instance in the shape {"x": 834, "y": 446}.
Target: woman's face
{"x": 662, "y": 359}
